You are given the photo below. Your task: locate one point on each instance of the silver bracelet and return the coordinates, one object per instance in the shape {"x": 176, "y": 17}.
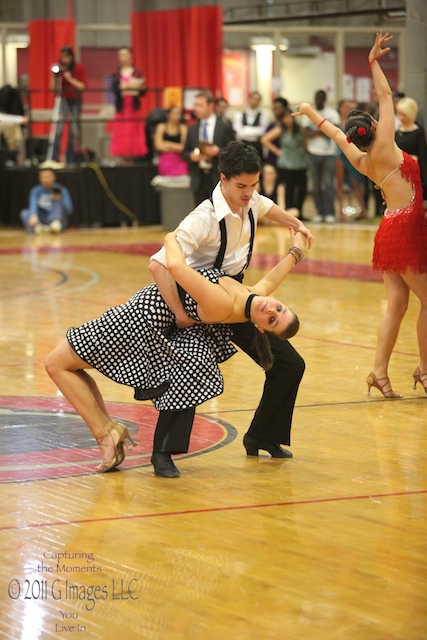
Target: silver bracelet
{"x": 296, "y": 253}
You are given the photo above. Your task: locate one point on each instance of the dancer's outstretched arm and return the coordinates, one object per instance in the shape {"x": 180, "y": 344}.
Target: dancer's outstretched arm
{"x": 215, "y": 304}
{"x": 381, "y": 84}
{"x": 385, "y": 125}
{"x": 386, "y": 120}
{"x": 273, "y": 278}
{"x": 335, "y": 133}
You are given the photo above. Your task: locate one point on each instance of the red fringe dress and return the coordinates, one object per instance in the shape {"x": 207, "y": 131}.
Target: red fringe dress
{"x": 401, "y": 240}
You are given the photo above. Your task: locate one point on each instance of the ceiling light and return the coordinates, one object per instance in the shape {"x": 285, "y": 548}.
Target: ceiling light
{"x": 262, "y": 44}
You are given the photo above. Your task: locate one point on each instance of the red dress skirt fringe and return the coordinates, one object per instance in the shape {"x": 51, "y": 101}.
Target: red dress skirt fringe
{"x": 401, "y": 240}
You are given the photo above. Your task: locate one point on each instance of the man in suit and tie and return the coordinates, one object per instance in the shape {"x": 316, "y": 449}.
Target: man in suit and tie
{"x": 205, "y": 139}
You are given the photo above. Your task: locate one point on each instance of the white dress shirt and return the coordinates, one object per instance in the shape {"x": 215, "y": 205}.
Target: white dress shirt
{"x": 249, "y": 132}
{"x": 200, "y": 238}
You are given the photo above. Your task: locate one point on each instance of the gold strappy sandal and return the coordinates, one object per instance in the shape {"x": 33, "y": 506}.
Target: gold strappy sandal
{"x": 119, "y": 434}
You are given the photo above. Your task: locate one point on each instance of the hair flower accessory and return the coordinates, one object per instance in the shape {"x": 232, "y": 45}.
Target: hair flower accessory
{"x": 361, "y": 131}
{"x": 348, "y": 139}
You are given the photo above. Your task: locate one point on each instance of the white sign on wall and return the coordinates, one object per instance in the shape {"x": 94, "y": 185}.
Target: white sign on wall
{"x": 304, "y": 75}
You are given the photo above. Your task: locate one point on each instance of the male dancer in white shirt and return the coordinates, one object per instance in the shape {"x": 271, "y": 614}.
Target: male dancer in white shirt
{"x": 235, "y": 206}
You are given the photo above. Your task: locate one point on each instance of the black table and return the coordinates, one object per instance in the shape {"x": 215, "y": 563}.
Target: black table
{"x": 92, "y": 206}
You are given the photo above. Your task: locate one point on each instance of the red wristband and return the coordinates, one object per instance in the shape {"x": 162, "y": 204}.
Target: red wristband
{"x": 321, "y": 122}
{"x": 372, "y": 62}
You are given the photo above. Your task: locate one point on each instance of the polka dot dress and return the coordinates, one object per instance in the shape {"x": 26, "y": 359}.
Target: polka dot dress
{"x": 139, "y": 345}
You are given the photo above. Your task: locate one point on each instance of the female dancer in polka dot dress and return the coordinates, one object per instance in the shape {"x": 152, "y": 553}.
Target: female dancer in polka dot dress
{"x": 139, "y": 345}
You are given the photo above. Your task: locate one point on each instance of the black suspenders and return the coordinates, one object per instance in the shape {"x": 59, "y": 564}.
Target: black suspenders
{"x": 251, "y": 241}
{"x": 221, "y": 253}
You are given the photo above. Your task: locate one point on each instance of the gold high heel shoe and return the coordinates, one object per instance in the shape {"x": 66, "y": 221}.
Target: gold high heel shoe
{"x": 421, "y": 378}
{"x": 119, "y": 453}
{"x": 373, "y": 381}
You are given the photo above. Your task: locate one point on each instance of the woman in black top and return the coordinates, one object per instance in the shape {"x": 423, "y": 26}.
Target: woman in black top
{"x": 411, "y": 138}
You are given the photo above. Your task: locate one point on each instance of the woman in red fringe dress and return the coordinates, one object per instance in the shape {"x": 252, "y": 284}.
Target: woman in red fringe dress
{"x": 128, "y": 139}
{"x": 400, "y": 249}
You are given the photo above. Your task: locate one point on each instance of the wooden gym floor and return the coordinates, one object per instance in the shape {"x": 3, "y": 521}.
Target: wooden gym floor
{"x": 330, "y": 545}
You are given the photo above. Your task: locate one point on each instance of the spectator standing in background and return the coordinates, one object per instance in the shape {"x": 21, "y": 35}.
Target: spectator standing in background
{"x": 221, "y": 107}
{"x": 12, "y": 117}
{"x": 346, "y": 175}
{"x": 250, "y": 124}
{"x": 279, "y": 107}
{"x": 70, "y": 82}
{"x": 411, "y": 137}
{"x": 49, "y": 205}
{"x": 321, "y": 154}
{"x": 291, "y": 160}
{"x": 270, "y": 186}
{"x": 373, "y": 109}
{"x": 398, "y": 95}
{"x": 169, "y": 139}
{"x": 205, "y": 139}
{"x": 128, "y": 139}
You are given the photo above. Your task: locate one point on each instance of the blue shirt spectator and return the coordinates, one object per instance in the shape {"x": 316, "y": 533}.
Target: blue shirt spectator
{"x": 49, "y": 207}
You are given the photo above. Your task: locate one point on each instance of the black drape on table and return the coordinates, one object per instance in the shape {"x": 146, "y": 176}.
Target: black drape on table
{"x": 92, "y": 207}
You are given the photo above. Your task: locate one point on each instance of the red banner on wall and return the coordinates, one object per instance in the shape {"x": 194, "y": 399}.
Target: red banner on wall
{"x": 181, "y": 47}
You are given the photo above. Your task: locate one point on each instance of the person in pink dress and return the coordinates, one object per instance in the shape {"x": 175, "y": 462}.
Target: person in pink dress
{"x": 169, "y": 140}
{"x": 128, "y": 139}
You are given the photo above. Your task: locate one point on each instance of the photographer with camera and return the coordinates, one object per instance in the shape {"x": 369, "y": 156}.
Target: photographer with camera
{"x": 49, "y": 205}
{"x": 70, "y": 82}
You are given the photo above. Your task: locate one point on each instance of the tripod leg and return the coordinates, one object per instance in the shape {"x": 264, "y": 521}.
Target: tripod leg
{"x": 71, "y": 114}
{"x": 53, "y": 127}
{"x": 74, "y": 132}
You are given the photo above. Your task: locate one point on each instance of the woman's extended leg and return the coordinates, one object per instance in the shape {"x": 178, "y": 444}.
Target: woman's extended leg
{"x": 397, "y": 303}
{"x": 66, "y": 369}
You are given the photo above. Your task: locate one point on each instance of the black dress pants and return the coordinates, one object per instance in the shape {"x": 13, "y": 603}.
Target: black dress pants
{"x": 206, "y": 185}
{"x": 273, "y": 418}
{"x": 295, "y": 181}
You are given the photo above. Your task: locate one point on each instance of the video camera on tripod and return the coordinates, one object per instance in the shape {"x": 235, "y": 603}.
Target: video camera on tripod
{"x": 58, "y": 68}
{"x": 69, "y": 83}
{"x": 61, "y": 107}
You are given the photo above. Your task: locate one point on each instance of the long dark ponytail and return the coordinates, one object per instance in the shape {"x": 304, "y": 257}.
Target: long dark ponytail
{"x": 262, "y": 344}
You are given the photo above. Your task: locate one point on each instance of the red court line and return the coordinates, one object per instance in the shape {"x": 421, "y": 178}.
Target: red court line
{"x": 325, "y": 268}
{"x": 213, "y": 510}
{"x": 138, "y": 248}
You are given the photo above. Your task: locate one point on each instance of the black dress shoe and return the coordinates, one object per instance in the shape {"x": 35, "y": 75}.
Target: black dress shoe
{"x": 163, "y": 465}
{"x": 252, "y": 447}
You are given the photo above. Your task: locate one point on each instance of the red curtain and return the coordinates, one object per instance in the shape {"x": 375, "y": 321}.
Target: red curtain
{"x": 181, "y": 47}
{"x": 46, "y": 39}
